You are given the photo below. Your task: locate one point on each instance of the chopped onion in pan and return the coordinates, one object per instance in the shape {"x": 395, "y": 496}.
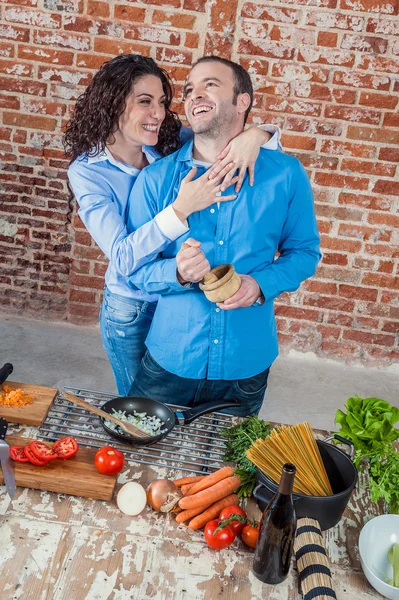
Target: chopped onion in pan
{"x": 151, "y": 425}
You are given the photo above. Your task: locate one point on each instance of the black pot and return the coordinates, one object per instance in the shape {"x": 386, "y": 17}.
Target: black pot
{"x": 328, "y": 510}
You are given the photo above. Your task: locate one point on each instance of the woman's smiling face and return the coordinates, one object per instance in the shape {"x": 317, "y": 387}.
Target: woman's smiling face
{"x": 145, "y": 111}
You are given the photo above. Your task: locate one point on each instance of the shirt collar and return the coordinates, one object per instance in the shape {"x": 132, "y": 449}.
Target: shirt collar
{"x": 151, "y": 156}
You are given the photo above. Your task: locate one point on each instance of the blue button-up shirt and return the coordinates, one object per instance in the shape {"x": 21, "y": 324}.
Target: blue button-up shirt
{"x": 190, "y": 336}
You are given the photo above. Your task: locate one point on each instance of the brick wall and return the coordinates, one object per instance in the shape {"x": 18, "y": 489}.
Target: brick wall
{"x": 326, "y": 71}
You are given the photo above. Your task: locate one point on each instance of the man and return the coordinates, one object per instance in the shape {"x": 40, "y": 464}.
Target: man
{"x": 198, "y": 351}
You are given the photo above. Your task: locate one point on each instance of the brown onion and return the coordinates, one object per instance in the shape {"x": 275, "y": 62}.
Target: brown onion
{"x": 163, "y": 495}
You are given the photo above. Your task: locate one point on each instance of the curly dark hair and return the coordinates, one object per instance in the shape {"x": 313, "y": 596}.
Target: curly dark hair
{"x": 97, "y": 110}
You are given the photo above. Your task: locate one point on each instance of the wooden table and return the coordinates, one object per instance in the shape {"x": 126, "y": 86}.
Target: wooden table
{"x": 56, "y": 547}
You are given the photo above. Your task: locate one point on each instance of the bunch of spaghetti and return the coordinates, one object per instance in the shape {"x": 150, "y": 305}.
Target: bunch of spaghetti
{"x": 295, "y": 444}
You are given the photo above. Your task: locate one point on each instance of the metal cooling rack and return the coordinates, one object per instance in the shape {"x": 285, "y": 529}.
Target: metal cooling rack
{"x": 197, "y": 448}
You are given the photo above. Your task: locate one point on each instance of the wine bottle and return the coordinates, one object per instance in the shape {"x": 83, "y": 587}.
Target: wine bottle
{"x": 277, "y": 532}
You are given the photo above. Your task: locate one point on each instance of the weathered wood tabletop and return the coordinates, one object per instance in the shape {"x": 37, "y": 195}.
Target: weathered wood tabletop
{"x": 57, "y": 547}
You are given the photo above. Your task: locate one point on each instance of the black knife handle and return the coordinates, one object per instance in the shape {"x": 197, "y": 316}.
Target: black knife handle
{"x": 5, "y": 371}
{"x": 3, "y": 428}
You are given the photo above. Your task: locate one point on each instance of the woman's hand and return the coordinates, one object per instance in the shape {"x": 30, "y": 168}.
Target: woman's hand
{"x": 242, "y": 153}
{"x": 200, "y": 193}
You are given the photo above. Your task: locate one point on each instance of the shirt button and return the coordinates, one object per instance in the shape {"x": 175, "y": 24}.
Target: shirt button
{"x": 215, "y": 341}
{"x": 217, "y": 309}
{"x": 212, "y": 210}
{"x": 221, "y": 242}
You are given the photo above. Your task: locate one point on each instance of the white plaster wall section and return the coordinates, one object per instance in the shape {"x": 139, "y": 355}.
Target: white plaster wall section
{"x": 17, "y": 69}
{"x": 31, "y": 17}
{"x": 41, "y": 140}
{"x": 37, "y": 107}
{"x": 9, "y": 230}
{"x": 67, "y": 41}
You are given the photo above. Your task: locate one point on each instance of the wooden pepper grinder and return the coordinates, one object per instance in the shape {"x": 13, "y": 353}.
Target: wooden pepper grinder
{"x": 220, "y": 283}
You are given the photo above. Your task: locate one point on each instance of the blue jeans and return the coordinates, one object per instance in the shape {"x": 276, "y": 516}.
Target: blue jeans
{"x": 152, "y": 381}
{"x": 124, "y": 325}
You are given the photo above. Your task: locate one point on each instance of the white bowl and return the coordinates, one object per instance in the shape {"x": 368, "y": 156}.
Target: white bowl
{"x": 375, "y": 539}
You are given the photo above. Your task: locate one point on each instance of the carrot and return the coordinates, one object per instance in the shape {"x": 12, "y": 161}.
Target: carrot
{"x": 220, "y": 490}
{"x": 185, "y": 515}
{"x": 211, "y": 479}
{"x": 185, "y": 480}
{"x": 212, "y": 512}
{"x": 186, "y": 487}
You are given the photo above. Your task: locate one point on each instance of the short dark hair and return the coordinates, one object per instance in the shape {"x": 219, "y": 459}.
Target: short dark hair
{"x": 242, "y": 80}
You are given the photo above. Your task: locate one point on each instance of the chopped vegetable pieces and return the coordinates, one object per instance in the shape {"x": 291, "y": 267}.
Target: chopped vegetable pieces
{"x": 14, "y": 397}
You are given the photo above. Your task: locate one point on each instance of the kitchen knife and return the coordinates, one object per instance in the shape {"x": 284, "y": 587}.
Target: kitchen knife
{"x": 5, "y": 371}
{"x": 5, "y": 460}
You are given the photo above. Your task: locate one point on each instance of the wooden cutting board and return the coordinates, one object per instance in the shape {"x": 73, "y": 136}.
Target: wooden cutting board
{"x": 76, "y": 476}
{"x": 31, "y": 414}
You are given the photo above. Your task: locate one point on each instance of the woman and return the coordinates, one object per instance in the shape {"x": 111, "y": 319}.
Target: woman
{"x": 121, "y": 123}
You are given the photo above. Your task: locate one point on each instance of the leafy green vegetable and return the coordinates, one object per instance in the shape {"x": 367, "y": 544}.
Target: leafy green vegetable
{"x": 393, "y": 557}
{"x": 369, "y": 424}
{"x": 238, "y": 439}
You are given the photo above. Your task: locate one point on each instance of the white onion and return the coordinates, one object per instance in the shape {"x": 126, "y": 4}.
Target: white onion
{"x": 131, "y": 499}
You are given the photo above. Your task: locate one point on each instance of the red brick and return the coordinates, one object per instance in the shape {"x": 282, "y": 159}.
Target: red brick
{"x": 192, "y": 40}
{"x": 7, "y": 49}
{"x": 257, "y": 11}
{"x": 314, "y": 161}
{"x": 387, "y": 26}
{"x": 355, "y": 114}
{"x": 72, "y": 76}
{"x": 295, "y": 35}
{"x": 371, "y": 168}
{"x": 324, "y": 226}
{"x": 338, "y": 213}
{"x": 223, "y": 15}
{"x": 29, "y": 121}
{"x": 382, "y": 250}
{"x": 327, "y": 38}
{"x": 269, "y": 49}
{"x": 91, "y": 61}
{"x": 358, "y": 293}
{"x": 11, "y": 67}
{"x": 171, "y": 55}
{"x": 387, "y": 219}
{"x": 341, "y": 181}
{"x": 369, "y": 338}
{"x": 347, "y": 149}
{"x": 298, "y": 141}
{"x": 293, "y": 312}
{"x": 197, "y": 5}
{"x": 9, "y": 102}
{"x": 364, "y": 323}
{"x": 154, "y": 35}
{"x": 372, "y": 202}
{"x": 391, "y": 154}
{"x": 363, "y": 232}
{"x": 378, "y": 6}
{"x": 326, "y": 56}
{"x": 355, "y": 79}
{"x": 363, "y": 263}
{"x": 335, "y": 259}
{"x": 292, "y": 72}
{"x": 386, "y": 187}
{"x": 332, "y": 348}
{"x": 130, "y": 13}
{"x": 291, "y": 105}
{"x": 65, "y": 40}
{"x": 313, "y": 91}
{"x": 344, "y": 96}
{"x": 385, "y": 136}
{"x": 379, "y": 63}
{"x": 98, "y": 9}
{"x": 391, "y": 327}
{"x": 173, "y": 19}
{"x": 100, "y": 269}
{"x": 23, "y": 86}
{"x": 82, "y": 313}
{"x": 362, "y": 43}
{"x": 17, "y": 34}
{"x": 386, "y": 266}
{"x": 321, "y": 287}
{"x": 384, "y": 281}
{"x": 391, "y": 119}
{"x": 36, "y": 53}
{"x": 82, "y": 296}
{"x": 32, "y": 17}
{"x": 327, "y": 20}
{"x": 378, "y": 100}
{"x": 109, "y": 46}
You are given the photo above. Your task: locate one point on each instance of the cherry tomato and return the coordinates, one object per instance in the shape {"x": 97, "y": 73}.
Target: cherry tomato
{"x": 250, "y": 534}
{"x": 222, "y": 539}
{"x": 33, "y": 459}
{"x": 17, "y": 453}
{"x": 65, "y": 447}
{"x": 109, "y": 460}
{"x": 42, "y": 452}
{"x": 236, "y": 525}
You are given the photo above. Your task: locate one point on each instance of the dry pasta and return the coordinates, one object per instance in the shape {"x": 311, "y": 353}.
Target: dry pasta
{"x": 295, "y": 444}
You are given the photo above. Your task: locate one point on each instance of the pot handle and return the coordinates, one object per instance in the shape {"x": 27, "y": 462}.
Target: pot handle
{"x": 193, "y": 413}
{"x": 335, "y": 436}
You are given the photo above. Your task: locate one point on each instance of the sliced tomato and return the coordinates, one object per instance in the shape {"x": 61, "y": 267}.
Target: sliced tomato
{"x": 65, "y": 447}
{"x": 17, "y": 453}
{"x": 32, "y": 458}
{"x": 42, "y": 452}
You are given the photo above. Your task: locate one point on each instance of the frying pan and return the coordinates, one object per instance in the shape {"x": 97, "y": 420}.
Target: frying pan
{"x": 169, "y": 418}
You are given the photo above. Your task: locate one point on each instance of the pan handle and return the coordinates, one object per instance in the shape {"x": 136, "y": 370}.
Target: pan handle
{"x": 335, "y": 436}
{"x": 5, "y": 371}
{"x": 193, "y": 413}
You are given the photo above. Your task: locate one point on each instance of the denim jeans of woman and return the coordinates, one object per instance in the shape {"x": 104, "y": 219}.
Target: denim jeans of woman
{"x": 124, "y": 325}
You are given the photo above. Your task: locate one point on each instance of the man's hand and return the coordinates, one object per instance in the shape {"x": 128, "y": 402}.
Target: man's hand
{"x": 248, "y": 293}
{"x": 191, "y": 262}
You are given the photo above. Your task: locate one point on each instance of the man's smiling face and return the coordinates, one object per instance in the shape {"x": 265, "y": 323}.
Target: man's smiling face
{"x": 209, "y": 98}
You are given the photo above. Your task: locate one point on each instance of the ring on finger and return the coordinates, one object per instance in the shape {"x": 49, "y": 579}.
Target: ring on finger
{"x": 218, "y": 194}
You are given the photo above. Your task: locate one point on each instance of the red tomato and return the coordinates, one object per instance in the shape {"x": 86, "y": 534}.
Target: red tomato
{"x": 250, "y": 534}
{"x": 17, "y": 453}
{"x": 109, "y": 460}
{"x": 222, "y": 539}
{"x": 42, "y": 452}
{"x": 65, "y": 447}
{"x": 236, "y": 525}
{"x": 32, "y": 458}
